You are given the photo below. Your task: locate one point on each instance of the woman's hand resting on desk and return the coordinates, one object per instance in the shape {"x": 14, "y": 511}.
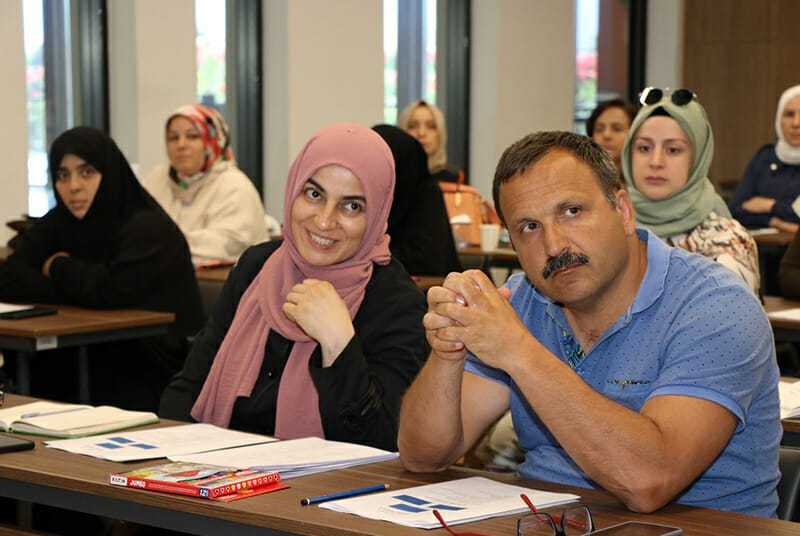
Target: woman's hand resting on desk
{"x": 783, "y": 225}
{"x": 759, "y": 204}
{"x": 49, "y": 261}
{"x": 318, "y": 309}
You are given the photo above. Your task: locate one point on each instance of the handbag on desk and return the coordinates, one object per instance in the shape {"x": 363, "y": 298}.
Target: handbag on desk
{"x": 466, "y": 210}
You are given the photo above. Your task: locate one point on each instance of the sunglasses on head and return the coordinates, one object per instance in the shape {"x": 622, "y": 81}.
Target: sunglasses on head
{"x": 653, "y": 95}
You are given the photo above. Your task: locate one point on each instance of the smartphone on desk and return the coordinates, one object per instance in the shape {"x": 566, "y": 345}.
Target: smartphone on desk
{"x": 27, "y": 312}
{"x": 638, "y": 528}
{"x": 9, "y": 443}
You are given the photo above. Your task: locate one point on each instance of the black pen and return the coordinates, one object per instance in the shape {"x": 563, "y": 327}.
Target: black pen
{"x": 343, "y": 494}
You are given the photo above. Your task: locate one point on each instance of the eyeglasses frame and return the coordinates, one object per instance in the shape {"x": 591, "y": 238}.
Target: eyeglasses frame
{"x": 558, "y": 530}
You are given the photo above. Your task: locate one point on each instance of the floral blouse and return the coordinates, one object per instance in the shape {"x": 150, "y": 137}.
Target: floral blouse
{"x": 725, "y": 241}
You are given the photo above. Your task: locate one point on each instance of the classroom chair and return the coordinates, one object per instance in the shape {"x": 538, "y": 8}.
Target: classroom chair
{"x": 789, "y": 486}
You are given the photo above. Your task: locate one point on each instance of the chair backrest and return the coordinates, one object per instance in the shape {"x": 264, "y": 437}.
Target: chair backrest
{"x": 789, "y": 486}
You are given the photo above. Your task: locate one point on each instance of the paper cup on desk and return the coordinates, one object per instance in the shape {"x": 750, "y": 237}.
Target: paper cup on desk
{"x": 490, "y": 236}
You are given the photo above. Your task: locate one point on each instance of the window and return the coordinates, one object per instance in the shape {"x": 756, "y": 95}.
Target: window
{"x": 586, "y": 22}
{"x": 430, "y": 61}
{"x": 609, "y": 53}
{"x": 409, "y": 45}
{"x": 229, "y": 74}
{"x": 66, "y": 66}
{"x": 210, "y": 23}
{"x": 40, "y": 197}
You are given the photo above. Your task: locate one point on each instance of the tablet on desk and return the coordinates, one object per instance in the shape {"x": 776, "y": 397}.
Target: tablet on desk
{"x": 11, "y": 444}
{"x": 12, "y": 311}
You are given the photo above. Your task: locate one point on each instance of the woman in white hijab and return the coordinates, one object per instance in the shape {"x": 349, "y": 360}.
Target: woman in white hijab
{"x": 767, "y": 194}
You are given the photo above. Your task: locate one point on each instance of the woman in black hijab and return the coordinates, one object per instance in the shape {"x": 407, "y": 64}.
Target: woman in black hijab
{"x": 421, "y": 237}
{"x": 106, "y": 245}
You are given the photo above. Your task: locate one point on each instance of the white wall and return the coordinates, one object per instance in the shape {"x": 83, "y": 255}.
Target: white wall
{"x": 522, "y": 77}
{"x": 323, "y": 64}
{"x": 152, "y": 71}
{"x": 13, "y": 135}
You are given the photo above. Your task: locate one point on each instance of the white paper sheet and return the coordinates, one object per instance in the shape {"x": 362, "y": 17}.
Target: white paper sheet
{"x": 293, "y": 457}
{"x": 763, "y": 231}
{"x": 458, "y": 501}
{"x": 13, "y": 307}
{"x": 158, "y": 442}
{"x": 786, "y": 314}
{"x": 789, "y": 394}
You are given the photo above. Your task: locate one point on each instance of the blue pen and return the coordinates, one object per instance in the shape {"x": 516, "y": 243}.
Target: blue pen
{"x": 37, "y": 414}
{"x": 344, "y": 494}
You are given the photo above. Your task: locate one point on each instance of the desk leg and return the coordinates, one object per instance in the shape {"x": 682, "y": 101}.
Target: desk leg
{"x": 486, "y": 266}
{"x": 24, "y": 515}
{"x": 83, "y": 374}
{"x": 24, "y": 372}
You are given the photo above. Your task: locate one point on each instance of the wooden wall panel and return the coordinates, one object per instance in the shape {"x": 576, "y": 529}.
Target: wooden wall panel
{"x": 787, "y": 17}
{"x": 725, "y": 20}
{"x": 733, "y": 102}
{"x": 739, "y": 56}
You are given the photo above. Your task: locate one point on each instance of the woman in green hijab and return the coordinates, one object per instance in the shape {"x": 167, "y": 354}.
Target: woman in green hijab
{"x": 665, "y": 161}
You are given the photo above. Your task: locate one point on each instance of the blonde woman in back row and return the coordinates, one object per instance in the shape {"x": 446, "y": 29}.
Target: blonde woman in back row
{"x": 216, "y": 206}
{"x": 425, "y": 122}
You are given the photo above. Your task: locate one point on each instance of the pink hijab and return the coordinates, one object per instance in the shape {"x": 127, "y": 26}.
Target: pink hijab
{"x": 238, "y": 362}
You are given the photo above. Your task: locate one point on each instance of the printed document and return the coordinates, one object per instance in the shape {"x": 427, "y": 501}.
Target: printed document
{"x": 458, "y": 501}
{"x": 293, "y": 457}
{"x": 159, "y": 442}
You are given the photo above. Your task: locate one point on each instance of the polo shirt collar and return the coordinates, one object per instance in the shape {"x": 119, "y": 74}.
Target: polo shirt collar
{"x": 652, "y": 285}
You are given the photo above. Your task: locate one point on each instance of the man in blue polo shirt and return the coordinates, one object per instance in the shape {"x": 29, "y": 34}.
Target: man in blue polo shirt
{"x": 627, "y": 365}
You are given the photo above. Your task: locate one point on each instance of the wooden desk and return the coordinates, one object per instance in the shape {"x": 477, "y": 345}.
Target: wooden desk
{"x": 771, "y": 248}
{"x": 219, "y": 275}
{"x": 500, "y": 258}
{"x": 76, "y": 326}
{"x": 80, "y": 483}
{"x": 784, "y": 330}
{"x": 781, "y": 238}
{"x": 213, "y": 274}
{"x": 424, "y": 282}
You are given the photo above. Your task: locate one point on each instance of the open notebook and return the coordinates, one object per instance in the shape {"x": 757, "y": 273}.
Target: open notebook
{"x": 54, "y": 419}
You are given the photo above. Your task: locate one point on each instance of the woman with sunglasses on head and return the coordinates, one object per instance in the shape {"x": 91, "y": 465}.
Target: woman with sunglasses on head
{"x": 215, "y": 205}
{"x": 768, "y": 194}
{"x": 319, "y": 334}
{"x": 426, "y": 123}
{"x": 106, "y": 245}
{"x": 665, "y": 161}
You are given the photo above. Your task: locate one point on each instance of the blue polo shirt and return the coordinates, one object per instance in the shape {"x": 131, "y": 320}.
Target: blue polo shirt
{"x": 693, "y": 329}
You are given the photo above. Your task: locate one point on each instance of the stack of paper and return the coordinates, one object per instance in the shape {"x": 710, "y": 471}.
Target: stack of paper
{"x": 159, "y": 442}
{"x": 293, "y": 457}
{"x": 763, "y": 231}
{"x": 458, "y": 501}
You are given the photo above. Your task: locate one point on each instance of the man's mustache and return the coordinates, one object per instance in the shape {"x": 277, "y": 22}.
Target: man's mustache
{"x": 563, "y": 260}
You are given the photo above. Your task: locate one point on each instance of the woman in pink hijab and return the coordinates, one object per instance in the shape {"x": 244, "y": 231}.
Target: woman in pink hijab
{"x": 320, "y": 334}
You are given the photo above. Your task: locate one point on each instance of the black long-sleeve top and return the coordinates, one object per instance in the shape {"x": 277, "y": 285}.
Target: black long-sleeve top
{"x": 359, "y": 394}
{"x": 421, "y": 236}
{"x": 148, "y": 267}
{"x": 767, "y": 176}
{"x": 125, "y": 252}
